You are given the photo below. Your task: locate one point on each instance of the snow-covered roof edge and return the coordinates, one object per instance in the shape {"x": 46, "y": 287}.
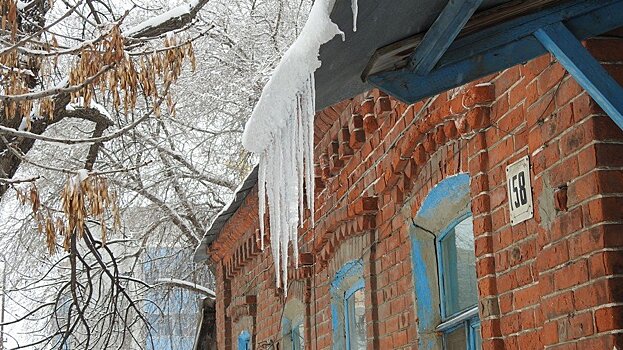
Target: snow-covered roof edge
{"x": 289, "y": 78}
{"x": 212, "y": 233}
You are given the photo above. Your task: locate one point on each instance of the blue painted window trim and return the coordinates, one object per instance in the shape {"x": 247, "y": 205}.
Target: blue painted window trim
{"x": 244, "y": 340}
{"x": 350, "y": 269}
{"x": 296, "y": 337}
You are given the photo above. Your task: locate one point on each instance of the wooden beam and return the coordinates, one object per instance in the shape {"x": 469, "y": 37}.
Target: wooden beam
{"x": 441, "y": 34}
{"x": 396, "y": 55}
{"x": 499, "y": 47}
{"x": 568, "y": 50}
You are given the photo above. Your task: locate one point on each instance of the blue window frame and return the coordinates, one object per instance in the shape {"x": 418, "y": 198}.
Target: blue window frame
{"x": 244, "y": 341}
{"x": 458, "y": 288}
{"x": 355, "y": 316}
{"x": 297, "y": 336}
{"x": 348, "y": 307}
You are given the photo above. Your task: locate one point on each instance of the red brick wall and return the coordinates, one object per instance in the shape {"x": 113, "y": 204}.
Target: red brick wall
{"x": 554, "y": 281}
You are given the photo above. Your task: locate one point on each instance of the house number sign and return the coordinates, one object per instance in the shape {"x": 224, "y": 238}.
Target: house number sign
{"x": 519, "y": 191}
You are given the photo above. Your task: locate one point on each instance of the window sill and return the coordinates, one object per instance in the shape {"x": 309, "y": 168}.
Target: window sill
{"x": 457, "y": 319}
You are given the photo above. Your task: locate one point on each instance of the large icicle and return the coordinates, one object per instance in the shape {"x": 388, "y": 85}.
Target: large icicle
{"x": 355, "y": 7}
{"x": 281, "y": 132}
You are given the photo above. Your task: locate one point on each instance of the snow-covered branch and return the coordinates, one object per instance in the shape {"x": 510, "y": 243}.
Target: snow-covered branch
{"x": 187, "y": 285}
{"x": 173, "y": 19}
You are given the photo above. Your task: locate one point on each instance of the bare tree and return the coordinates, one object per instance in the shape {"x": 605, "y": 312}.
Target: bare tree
{"x": 121, "y": 156}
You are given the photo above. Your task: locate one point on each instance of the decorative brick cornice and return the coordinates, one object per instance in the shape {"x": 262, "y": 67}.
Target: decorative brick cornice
{"x": 370, "y": 133}
{"x": 377, "y": 145}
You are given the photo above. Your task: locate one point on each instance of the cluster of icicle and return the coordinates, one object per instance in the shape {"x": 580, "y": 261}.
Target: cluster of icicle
{"x": 286, "y": 166}
{"x": 281, "y": 132}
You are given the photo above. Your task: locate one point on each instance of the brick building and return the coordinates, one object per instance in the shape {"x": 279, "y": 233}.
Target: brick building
{"x": 413, "y": 245}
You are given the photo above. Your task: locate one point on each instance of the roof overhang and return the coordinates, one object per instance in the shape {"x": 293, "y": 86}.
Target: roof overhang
{"x": 201, "y": 253}
{"x": 498, "y": 36}
{"x": 380, "y": 23}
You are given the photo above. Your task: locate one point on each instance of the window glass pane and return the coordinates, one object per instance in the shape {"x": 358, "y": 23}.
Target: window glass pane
{"x": 477, "y": 337}
{"x": 455, "y": 340}
{"x": 356, "y": 313}
{"x": 298, "y": 342}
{"x": 459, "y": 268}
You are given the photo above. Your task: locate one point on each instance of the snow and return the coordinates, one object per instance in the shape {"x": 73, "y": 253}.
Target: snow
{"x": 277, "y": 103}
{"x": 192, "y": 285}
{"x": 281, "y": 132}
{"x": 76, "y": 180}
{"x": 157, "y": 20}
{"x": 24, "y": 124}
{"x": 355, "y": 8}
{"x": 92, "y": 104}
{"x": 21, "y": 5}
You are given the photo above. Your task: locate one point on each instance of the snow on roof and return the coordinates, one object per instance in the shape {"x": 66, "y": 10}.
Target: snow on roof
{"x": 290, "y": 76}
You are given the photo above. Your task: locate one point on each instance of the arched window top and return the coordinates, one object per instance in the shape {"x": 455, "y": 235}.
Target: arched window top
{"x": 348, "y": 271}
{"x": 451, "y": 195}
{"x": 444, "y": 268}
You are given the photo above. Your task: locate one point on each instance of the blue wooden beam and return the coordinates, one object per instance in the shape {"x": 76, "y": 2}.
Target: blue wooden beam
{"x": 499, "y": 47}
{"x": 441, "y": 34}
{"x": 568, "y": 50}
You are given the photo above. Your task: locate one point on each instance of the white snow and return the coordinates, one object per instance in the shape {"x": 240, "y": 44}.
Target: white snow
{"x": 92, "y": 104}
{"x": 23, "y": 4}
{"x": 355, "y": 7}
{"x": 23, "y": 125}
{"x": 281, "y": 132}
{"x": 157, "y": 20}
{"x": 76, "y": 180}
{"x": 184, "y": 283}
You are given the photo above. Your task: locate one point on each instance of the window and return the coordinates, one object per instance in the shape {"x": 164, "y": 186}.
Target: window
{"x": 355, "y": 317}
{"x": 297, "y": 337}
{"x": 348, "y": 307}
{"x": 293, "y": 325}
{"x": 444, "y": 268}
{"x": 458, "y": 286}
{"x": 244, "y": 341}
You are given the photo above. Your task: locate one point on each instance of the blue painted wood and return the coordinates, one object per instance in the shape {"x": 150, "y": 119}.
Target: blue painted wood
{"x": 568, "y": 50}
{"x": 499, "y": 47}
{"x": 338, "y": 290}
{"x": 441, "y": 34}
{"x": 360, "y": 284}
{"x": 512, "y": 30}
{"x": 296, "y": 337}
{"x": 244, "y": 340}
{"x": 410, "y": 87}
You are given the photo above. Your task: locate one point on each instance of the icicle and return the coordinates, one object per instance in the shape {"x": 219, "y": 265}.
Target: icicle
{"x": 309, "y": 153}
{"x": 261, "y": 193}
{"x": 299, "y": 158}
{"x": 355, "y": 7}
{"x": 281, "y": 131}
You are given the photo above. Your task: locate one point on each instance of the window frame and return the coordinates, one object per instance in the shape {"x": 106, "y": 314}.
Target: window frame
{"x": 467, "y": 317}
{"x": 244, "y": 338}
{"x": 295, "y": 336}
{"x": 349, "y": 309}
{"x": 346, "y": 281}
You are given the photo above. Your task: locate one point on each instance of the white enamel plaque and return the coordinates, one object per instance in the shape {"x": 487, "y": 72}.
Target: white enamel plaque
{"x": 519, "y": 191}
